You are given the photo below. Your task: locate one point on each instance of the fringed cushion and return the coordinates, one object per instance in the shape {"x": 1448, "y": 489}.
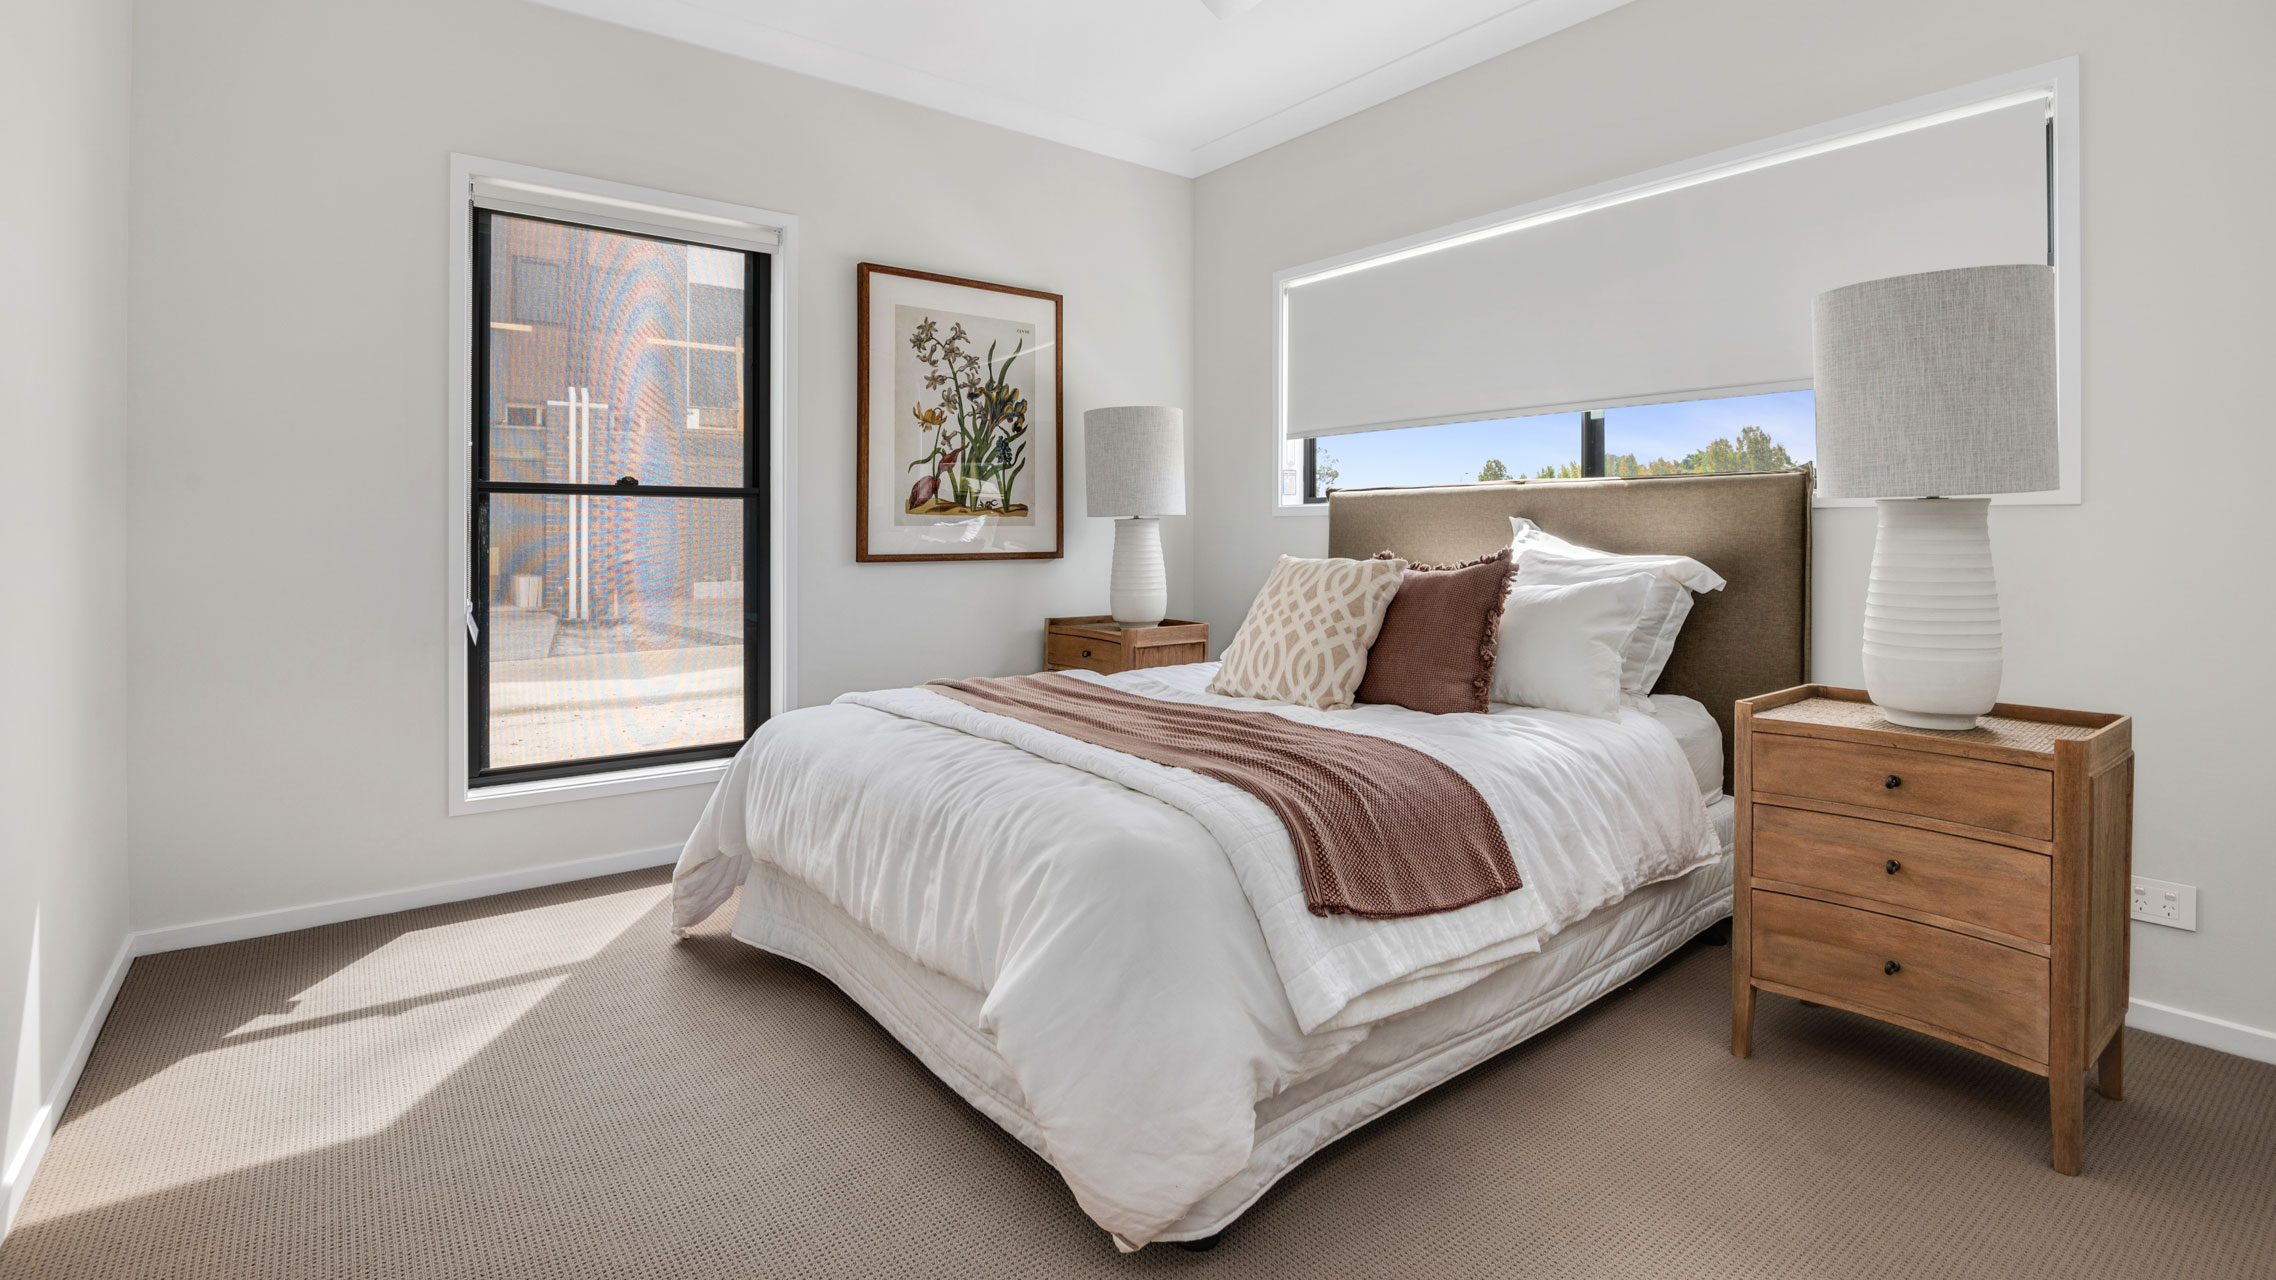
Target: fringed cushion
{"x": 1436, "y": 650}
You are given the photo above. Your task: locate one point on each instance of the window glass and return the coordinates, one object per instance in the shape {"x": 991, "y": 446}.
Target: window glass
{"x": 615, "y": 626}
{"x": 613, "y": 355}
{"x": 1448, "y": 453}
{"x": 613, "y": 528}
{"x": 1769, "y": 432}
{"x": 1732, "y": 433}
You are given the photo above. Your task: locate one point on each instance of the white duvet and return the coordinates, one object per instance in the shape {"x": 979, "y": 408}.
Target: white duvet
{"x": 1149, "y": 968}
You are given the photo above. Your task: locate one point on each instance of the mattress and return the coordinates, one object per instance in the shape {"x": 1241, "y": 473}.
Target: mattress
{"x": 1697, "y": 733}
{"x": 938, "y": 1018}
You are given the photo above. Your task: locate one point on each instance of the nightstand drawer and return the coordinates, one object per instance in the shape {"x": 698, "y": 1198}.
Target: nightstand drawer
{"x": 1983, "y": 884}
{"x": 1074, "y": 651}
{"x": 1880, "y": 964}
{"x": 1978, "y": 793}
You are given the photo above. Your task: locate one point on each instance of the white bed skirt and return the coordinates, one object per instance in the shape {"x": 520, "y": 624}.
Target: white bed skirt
{"x": 936, "y": 1017}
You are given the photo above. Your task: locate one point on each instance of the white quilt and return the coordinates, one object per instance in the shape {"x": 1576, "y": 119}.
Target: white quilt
{"x": 1150, "y": 969}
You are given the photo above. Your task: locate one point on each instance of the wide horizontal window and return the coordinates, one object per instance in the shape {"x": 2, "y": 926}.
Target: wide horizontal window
{"x": 1643, "y": 320}
{"x": 616, "y": 539}
{"x": 1769, "y": 432}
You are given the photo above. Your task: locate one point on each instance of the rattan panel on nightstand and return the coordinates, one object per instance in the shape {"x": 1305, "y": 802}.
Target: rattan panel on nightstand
{"x": 1991, "y": 731}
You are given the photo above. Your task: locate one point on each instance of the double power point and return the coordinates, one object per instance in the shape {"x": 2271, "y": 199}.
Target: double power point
{"x": 2164, "y": 902}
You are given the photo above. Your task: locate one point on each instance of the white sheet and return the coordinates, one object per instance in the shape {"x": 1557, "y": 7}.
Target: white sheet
{"x": 937, "y": 1018}
{"x": 1134, "y": 950}
{"x": 1697, "y": 733}
{"x": 1612, "y": 826}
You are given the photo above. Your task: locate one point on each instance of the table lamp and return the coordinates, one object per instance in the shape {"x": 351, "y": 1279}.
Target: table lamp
{"x": 1135, "y": 469}
{"x": 1928, "y": 387}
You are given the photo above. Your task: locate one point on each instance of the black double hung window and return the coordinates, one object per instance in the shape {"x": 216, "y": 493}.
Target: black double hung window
{"x": 616, "y": 540}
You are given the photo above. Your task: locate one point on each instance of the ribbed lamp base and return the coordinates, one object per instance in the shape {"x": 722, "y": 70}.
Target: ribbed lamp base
{"x": 1139, "y": 595}
{"x": 1932, "y": 642}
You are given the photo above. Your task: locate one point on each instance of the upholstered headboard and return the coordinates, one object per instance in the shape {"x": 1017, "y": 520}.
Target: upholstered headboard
{"x": 1751, "y": 637}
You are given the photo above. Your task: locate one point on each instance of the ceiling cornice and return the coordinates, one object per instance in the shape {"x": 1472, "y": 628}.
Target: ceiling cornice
{"x": 692, "y": 22}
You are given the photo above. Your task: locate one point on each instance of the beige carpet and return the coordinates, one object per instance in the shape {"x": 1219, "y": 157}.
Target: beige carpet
{"x": 543, "y": 1085}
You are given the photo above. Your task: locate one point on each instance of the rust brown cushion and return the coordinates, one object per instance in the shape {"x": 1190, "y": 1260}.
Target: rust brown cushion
{"x": 1436, "y": 650}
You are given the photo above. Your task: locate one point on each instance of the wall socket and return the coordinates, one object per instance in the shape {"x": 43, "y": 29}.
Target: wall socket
{"x": 2164, "y": 902}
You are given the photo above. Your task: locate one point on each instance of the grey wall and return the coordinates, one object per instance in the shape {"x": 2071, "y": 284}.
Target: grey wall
{"x": 286, "y": 542}
{"x": 63, "y": 338}
{"x": 2148, "y": 599}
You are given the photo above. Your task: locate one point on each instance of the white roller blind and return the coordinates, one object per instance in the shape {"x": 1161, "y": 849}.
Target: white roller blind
{"x": 1697, "y": 291}
{"x": 512, "y": 195}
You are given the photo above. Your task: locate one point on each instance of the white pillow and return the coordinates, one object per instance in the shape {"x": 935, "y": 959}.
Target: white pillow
{"x": 1527, "y": 536}
{"x": 1543, "y": 557}
{"x": 1645, "y": 651}
{"x": 1560, "y": 645}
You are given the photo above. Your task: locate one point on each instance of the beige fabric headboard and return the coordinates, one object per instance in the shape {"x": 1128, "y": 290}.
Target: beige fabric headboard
{"x": 1751, "y": 637}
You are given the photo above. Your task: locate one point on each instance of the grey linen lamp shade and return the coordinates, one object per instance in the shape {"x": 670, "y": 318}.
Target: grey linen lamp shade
{"x": 1940, "y": 384}
{"x": 1134, "y": 461}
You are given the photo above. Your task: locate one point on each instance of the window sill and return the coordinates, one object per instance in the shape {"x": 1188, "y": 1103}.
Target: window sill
{"x": 521, "y": 795}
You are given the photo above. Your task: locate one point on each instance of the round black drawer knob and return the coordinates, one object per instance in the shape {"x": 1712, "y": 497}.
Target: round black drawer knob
{"x": 1891, "y": 967}
{"x": 1895, "y": 866}
{"x": 1086, "y": 653}
{"x": 1893, "y": 782}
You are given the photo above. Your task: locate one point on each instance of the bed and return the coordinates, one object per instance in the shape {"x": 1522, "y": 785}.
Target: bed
{"x": 1080, "y": 948}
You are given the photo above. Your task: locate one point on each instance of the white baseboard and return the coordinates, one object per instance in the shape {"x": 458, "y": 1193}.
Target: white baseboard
{"x": 260, "y": 924}
{"x": 2203, "y": 1029}
{"x": 24, "y": 1161}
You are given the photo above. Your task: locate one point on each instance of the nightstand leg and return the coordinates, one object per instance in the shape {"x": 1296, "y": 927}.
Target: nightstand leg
{"x": 2066, "y": 1110}
{"x": 2110, "y": 1068}
{"x": 1742, "y": 1017}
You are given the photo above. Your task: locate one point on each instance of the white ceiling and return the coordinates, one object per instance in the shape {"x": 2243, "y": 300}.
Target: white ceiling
{"x": 1181, "y": 85}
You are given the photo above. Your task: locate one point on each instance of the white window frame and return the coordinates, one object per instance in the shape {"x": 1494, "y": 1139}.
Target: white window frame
{"x": 597, "y": 202}
{"x": 2055, "y": 82}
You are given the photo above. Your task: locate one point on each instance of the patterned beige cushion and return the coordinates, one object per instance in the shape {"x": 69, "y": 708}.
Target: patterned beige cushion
{"x": 1306, "y": 638}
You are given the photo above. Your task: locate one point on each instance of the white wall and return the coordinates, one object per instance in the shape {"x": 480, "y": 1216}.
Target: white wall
{"x": 283, "y": 543}
{"x": 2150, "y": 598}
{"x": 286, "y": 542}
{"x": 63, "y": 335}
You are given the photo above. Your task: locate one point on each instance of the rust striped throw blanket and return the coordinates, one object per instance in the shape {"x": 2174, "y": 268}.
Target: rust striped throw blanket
{"x": 1381, "y": 830}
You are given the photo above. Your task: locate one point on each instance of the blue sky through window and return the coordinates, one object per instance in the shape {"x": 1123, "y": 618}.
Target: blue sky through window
{"x": 1454, "y": 453}
{"x": 1672, "y": 430}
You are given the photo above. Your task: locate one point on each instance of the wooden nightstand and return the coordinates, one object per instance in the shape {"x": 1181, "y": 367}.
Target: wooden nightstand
{"x": 1972, "y": 885}
{"x": 1098, "y": 643}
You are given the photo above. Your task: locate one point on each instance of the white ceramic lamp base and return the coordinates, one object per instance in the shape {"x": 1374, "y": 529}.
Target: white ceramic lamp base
{"x": 1932, "y": 644}
{"x": 1139, "y": 595}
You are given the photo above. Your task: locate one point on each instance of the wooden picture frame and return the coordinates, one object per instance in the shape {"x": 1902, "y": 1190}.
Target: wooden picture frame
{"x": 977, "y": 472}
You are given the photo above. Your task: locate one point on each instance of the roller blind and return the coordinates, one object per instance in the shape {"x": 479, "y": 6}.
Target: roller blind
{"x": 1698, "y": 291}
{"x": 531, "y": 199}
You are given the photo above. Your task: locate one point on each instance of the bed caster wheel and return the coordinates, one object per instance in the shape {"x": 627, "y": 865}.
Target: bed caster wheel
{"x": 1203, "y": 1245}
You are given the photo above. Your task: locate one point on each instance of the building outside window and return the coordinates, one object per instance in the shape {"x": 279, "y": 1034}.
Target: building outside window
{"x": 618, "y": 500}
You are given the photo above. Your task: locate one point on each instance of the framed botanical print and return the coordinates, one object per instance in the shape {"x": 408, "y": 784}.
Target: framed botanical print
{"x": 959, "y": 447}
